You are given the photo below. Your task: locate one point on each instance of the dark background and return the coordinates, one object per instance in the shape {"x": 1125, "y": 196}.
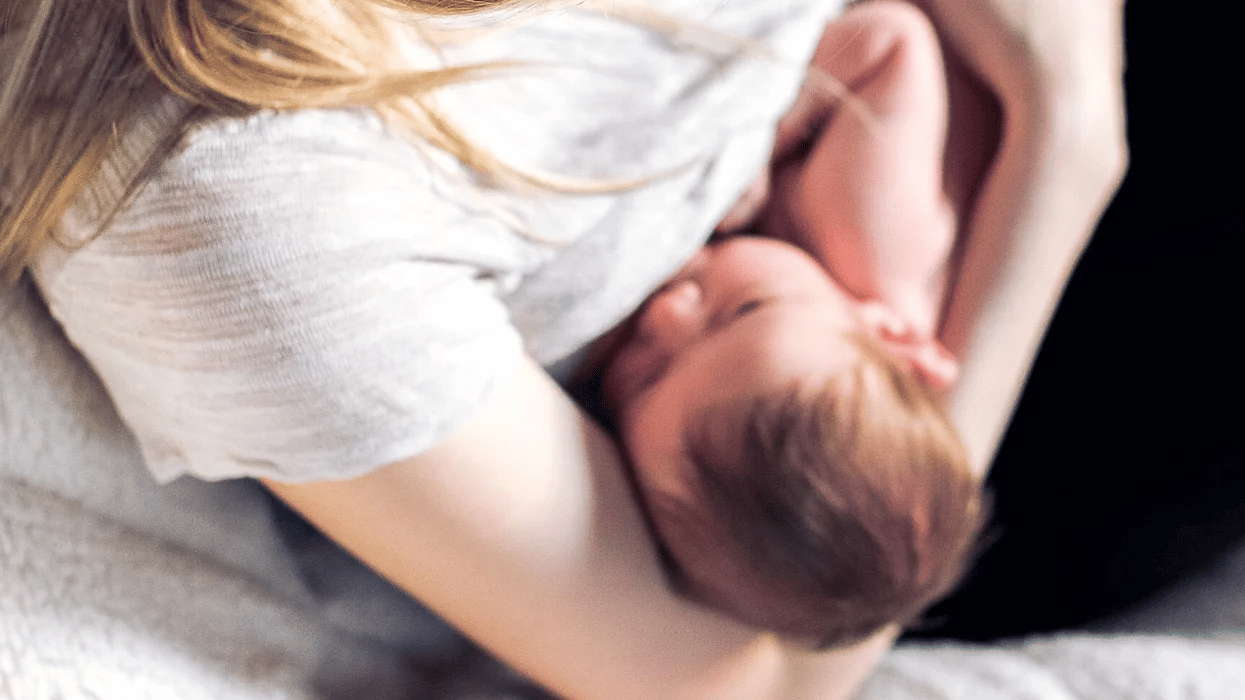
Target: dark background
{"x": 1124, "y": 470}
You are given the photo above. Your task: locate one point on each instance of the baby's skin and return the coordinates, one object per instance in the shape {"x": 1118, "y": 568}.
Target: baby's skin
{"x": 854, "y": 239}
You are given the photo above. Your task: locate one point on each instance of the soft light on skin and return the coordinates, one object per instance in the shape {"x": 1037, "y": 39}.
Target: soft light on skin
{"x": 746, "y": 317}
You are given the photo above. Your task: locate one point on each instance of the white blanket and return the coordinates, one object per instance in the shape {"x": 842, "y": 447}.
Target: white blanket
{"x": 105, "y": 591}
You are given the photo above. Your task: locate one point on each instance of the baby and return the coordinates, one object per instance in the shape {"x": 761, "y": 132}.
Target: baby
{"x": 785, "y": 425}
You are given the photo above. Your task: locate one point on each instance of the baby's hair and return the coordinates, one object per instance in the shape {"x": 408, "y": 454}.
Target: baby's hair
{"x": 840, "y": 508}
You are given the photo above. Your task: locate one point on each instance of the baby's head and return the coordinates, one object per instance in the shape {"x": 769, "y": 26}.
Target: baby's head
{"x": 790, "y": 447}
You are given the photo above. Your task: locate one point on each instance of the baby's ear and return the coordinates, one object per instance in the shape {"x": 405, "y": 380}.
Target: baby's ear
{"x": 921, "y": 352}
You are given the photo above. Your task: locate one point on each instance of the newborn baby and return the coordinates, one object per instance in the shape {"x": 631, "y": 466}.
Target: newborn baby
{"x": 786, "y": 426}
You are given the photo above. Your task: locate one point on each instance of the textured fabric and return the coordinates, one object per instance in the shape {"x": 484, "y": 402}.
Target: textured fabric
{"x": 114, "y": 587}
{"x": 1065, "y": 667}
{"x": 305, "y": 295}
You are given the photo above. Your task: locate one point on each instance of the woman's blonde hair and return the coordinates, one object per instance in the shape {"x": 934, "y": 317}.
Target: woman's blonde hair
{"x": 76, "y": 73}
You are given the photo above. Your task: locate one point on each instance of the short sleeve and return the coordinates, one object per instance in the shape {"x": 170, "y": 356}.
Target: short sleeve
{"x": 287, "y": 298}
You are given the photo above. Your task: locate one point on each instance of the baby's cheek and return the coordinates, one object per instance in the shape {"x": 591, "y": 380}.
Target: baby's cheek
{"x": 652, "y": 452}
{"x": 653, "y": 476}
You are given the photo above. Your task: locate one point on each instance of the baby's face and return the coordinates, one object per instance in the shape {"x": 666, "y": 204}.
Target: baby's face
{"x": 746, "y": 317}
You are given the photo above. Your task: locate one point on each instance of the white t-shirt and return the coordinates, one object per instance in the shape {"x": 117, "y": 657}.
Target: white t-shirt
{"x": 305, "y": 295}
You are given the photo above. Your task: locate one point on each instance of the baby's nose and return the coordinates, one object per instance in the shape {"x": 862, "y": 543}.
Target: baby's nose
{"x": 674, "y": 317}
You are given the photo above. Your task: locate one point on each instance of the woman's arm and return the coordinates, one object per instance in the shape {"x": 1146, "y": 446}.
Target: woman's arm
{"x": 522, "y": 530}
{"x": 1055, "y": 68}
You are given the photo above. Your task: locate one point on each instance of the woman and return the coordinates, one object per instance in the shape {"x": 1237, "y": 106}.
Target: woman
{"x": 584, "y": 610}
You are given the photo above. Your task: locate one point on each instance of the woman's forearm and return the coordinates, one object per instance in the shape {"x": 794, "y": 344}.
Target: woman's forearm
{"x": 1055, "y": 67}
{"x": 1061, "y": 158}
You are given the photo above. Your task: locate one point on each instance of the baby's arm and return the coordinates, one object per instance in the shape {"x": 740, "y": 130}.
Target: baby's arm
{"x": 864, "y": 192}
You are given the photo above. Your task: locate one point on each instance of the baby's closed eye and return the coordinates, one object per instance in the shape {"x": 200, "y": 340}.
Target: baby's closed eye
{"x": 748, "y": 307}
{"x": 736, "y": 311}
